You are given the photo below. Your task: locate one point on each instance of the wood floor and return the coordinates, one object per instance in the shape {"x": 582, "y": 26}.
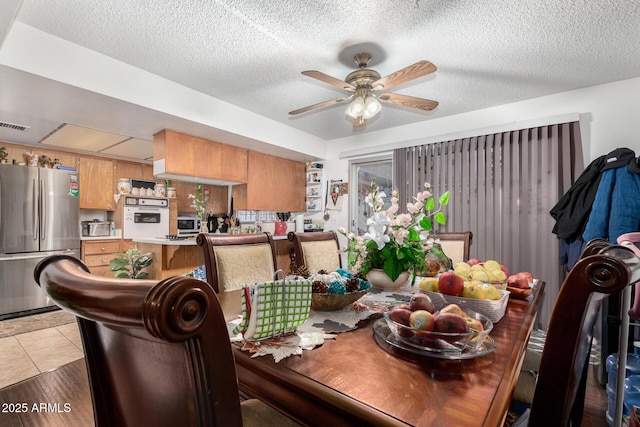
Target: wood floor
{"x": 68, "y": 384}
{"x": 67, "y": 401}
{"x": 595, "y": 403}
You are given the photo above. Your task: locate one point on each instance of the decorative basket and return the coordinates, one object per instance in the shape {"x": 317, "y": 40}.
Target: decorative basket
{"x": 333, "y": 302}
{"x": 493, "y": 309}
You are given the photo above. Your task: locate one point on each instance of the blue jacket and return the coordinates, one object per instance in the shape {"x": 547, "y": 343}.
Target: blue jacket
{"x": 616, "y": 207}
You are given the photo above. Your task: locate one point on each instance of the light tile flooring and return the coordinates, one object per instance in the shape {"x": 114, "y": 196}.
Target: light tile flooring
{"x": 25, "y": 355}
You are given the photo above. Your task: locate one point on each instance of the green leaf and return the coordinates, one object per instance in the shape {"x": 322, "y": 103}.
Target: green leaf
{"x": 440, "y": 218}
{"x": 425, "y": 223}
{"x": 444, "y": 198}
{"x": 118, "y": 264}
{"x": 430, "y": 204}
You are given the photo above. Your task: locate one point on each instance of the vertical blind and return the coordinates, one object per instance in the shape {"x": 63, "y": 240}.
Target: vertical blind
{"x": 502, "y": 187}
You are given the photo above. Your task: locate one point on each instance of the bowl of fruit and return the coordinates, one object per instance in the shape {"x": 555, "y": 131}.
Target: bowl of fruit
{"x": 436, "y": 327}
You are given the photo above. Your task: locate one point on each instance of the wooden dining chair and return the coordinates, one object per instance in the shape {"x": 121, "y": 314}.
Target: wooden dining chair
{"x": 157, "y": 353}
{"x": 316, "y": 250}
{"x": 233, "y": 261}
{"x": 456, "y": 245}
{"x": 559, "y": 392}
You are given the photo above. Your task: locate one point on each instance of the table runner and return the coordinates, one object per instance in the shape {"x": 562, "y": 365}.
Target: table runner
{"x": 322, "y": 325}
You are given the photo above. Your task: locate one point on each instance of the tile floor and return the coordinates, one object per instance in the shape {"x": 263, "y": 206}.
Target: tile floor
{"x": 27, "y": 354}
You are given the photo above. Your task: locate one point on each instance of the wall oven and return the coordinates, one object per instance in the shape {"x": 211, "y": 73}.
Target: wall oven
{"x": 145, "y": 218}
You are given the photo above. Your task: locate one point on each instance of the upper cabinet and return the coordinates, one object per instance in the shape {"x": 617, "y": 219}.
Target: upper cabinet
{"x": 97, "y": 183}
{"x": 178, "y": 156}
{"x": 274, "y": 184}
{"x": 218, "y": 197}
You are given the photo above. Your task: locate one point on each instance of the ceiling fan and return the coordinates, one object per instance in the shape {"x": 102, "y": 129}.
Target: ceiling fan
{"x": 363, "y": 85}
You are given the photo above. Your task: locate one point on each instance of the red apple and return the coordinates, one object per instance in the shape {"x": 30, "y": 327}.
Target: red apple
{"x": 518, "y": 281}
{"x": 453, "y": 308}
{"x": 400, "y": 315}
{"x": 450, "y": 283}
{"x": 474, "y": 324}
{"x": 421, "y": 302}
{"x": 422, "y": 320}
{"x": 505, "y": 269}
{"x": 405, "y": 306}
{"x": 473, "y": 261}
{"x": 528, "y": 275}
{"x": 451, "y": 323}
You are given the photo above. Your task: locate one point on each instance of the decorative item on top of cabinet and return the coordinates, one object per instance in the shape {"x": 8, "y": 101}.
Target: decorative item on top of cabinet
{"x": 314, "y": 187}
{"x": 96, "y": 254}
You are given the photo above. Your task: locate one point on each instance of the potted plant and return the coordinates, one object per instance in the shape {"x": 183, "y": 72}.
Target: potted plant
{"x": 129, "y": 265}
{"x": 3, "y": 154}
{"x": 394, "y": 242}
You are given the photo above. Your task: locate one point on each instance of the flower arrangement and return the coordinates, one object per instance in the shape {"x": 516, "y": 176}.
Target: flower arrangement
{"x": 395, "y": 241}
{"x": 200, "y": 200}
{"x": 3, "y": 154}
{"x": 44, "y": 160}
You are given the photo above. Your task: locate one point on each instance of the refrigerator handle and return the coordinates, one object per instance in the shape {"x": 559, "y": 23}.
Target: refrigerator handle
{"x": 43, "y": 210}
{"x": 35, "y": 209}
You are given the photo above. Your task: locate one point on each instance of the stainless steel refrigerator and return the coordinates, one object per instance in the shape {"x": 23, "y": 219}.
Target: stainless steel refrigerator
{"x": 38, "y": 217}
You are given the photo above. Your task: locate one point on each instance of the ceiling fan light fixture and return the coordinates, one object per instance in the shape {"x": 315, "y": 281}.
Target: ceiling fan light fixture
{"x": 371, "y": 107}
{"x": 356, "y": 108}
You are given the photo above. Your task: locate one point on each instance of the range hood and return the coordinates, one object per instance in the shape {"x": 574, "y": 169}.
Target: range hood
{"x": 159, "y": 171}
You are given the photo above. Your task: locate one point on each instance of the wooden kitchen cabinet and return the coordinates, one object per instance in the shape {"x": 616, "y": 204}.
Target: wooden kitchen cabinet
{"x": 218, "y": 197}
{"x": 198, "y": 157}
{"x": 274, "y": 184}
{"x": 96, "y": 255}
{"x": 126, "y": 169}
{"x": 97, "y": 183}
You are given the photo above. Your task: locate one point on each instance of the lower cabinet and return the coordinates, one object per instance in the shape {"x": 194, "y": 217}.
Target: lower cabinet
{"x": 96, "y": 255}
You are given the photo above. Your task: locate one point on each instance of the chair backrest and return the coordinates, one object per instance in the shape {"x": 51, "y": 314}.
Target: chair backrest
{"x": 456, "y": 245}
{"x": 157, "y": 353}
{"x": 560, "y": 389}
{"x": 232, "y": 261}
{"x": 317, "y": 251}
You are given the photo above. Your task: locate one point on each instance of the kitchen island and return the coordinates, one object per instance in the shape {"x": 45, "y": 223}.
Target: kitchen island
{"x": 177, "y": 257}
{"x": 170, "y": 257}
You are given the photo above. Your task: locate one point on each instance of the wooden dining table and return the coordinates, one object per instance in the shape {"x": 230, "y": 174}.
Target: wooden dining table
{"x": 359, "y": 380}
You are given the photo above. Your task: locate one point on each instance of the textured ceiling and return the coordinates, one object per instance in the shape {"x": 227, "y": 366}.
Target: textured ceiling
{"x": 250, "y": 53}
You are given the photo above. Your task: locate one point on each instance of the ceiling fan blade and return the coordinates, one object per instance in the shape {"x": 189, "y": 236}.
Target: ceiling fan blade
{"x": 408, "y": 101}
{"x": 319, "y": 104}
{"x": 331, "y": 80}
{"x": 419, "y": 69}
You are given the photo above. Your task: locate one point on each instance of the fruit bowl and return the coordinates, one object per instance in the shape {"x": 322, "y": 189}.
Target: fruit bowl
{"x": 439, "y": 341}
{"x": 333, "y": 302}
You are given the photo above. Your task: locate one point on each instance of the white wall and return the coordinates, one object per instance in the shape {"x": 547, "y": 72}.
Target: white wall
{"x": 609, "y": 116}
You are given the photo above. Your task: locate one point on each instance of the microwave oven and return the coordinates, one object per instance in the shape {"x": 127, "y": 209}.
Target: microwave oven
{"x": 188, "y": 225}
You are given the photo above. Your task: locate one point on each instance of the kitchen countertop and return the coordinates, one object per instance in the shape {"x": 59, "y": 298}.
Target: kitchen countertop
{"x": 100, "y": 237}
{"x": 190, "y": 241}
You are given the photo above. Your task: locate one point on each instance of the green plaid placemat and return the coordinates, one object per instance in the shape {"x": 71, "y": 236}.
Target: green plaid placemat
{"x": 274, "y": 308}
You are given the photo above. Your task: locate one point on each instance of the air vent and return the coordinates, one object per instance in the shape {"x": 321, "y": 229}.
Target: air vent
{"x": 14, "y": 126}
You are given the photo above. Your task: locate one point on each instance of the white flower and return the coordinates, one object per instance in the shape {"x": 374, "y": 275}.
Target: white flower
{"x": 403, "y": 220}
{"x": 380, "y": 238}
{"x": 400, "y": 234}
{"x": 414, "y": 208}
{"x": 342, "y": 230}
